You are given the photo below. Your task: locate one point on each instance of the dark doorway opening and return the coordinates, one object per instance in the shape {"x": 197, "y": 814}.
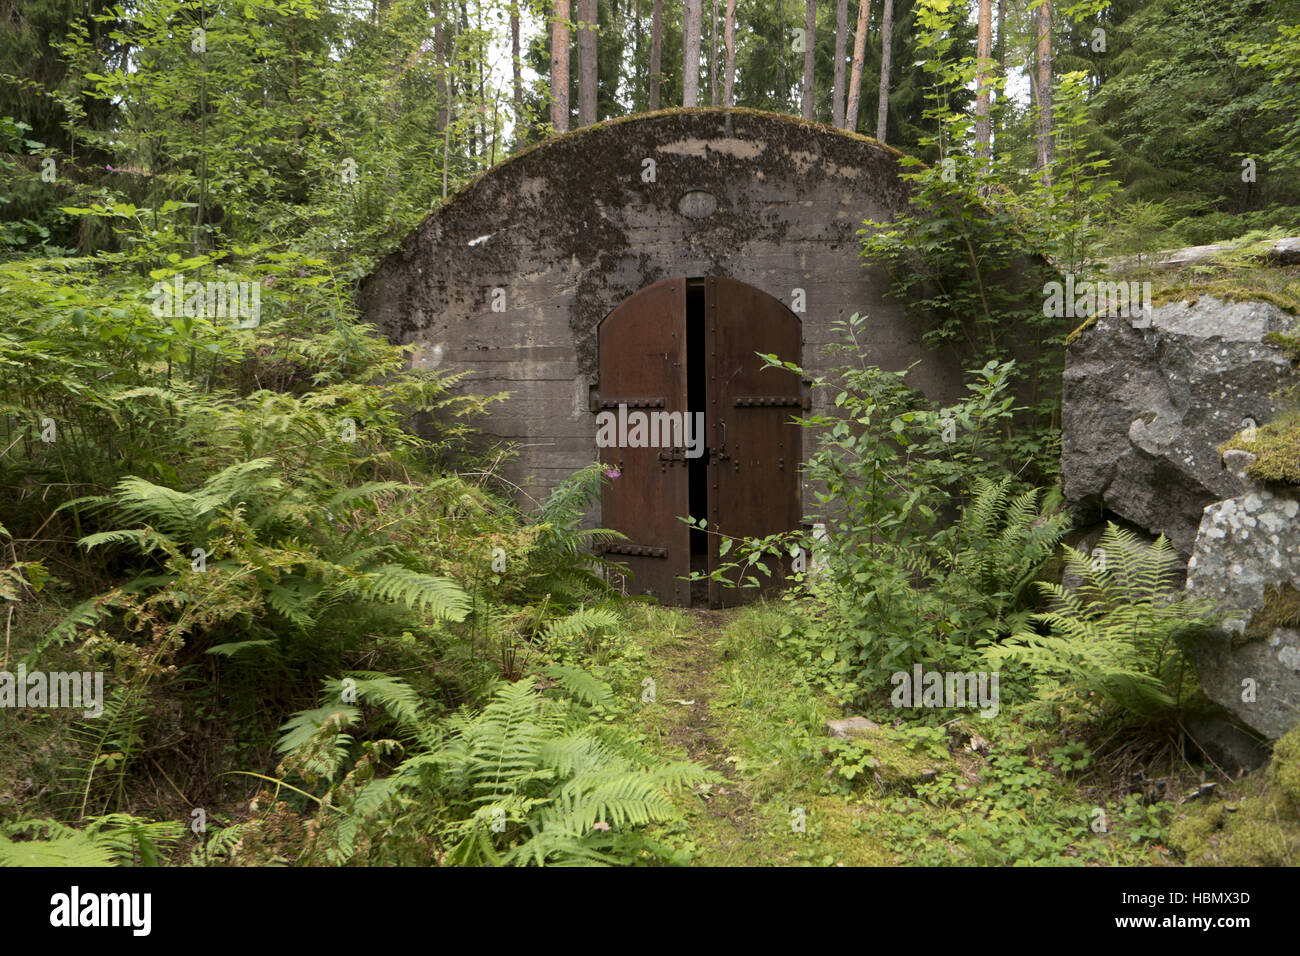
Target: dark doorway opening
{"x": 698, "y": 468}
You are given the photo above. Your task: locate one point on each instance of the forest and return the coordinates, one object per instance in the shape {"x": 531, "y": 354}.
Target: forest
{"x": 269, "y": 599}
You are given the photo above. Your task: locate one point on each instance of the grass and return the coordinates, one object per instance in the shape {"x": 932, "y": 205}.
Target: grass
{"x": 729, "y": 695}
{"x": 727, "y": 690}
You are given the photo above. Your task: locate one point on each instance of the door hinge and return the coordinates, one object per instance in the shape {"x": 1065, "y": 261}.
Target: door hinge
{"x": 635, "y": 550}
{"x": 770, "y": 401}
{"x": 632, "y": 402}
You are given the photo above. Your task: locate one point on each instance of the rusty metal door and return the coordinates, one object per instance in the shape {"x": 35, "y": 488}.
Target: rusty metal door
{"x": 643, "y": 367}
{"x": 755, "y": 449}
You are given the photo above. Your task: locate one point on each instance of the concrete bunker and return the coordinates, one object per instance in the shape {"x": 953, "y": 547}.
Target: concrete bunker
{"x": 644, "y": 260}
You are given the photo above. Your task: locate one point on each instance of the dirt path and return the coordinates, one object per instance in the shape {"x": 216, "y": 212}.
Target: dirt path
{"x": 687, "y": 683}
{"x": 727, "y": 699}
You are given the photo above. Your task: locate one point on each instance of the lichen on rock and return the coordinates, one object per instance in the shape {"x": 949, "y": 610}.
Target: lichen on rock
{"x": 1245, "y": 563}
{"x": 1146, "y": 407}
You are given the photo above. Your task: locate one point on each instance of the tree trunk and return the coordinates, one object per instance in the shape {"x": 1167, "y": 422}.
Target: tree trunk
{"x": 1001, "y": 49}
{"x": 656, "y": 53}
{"x": 713, "y": 56}
{"x": 841, "y": 31}
{"x": 517, "y": 66}
{"x": 634, "y": 79}
{"x": 586, "y": 62}
{"x": 810, "y": 28}
{"x": 1001, "y": 56}
{"x": 472, "y": 144}
{"x": 729, "y": 38}
{"x": 440, "y": 58}
{"x": 482, "y": 95}
{"x": 983, "y": 79}
{"x": 1045, "y": 89}
{"x": 886, "y": 62}
{"x": 691, "y": 52}
{"x": 560, "y": 67}
{"x": 859, "y": 59}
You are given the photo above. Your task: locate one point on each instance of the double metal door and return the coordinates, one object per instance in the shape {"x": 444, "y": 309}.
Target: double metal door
{"x": 749, "y": 453}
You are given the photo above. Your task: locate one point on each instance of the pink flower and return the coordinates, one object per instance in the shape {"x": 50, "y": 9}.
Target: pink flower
{"x": 612, "y": 472}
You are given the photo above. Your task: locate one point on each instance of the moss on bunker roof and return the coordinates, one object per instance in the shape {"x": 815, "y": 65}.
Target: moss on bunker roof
{"x": 677, "y": 120}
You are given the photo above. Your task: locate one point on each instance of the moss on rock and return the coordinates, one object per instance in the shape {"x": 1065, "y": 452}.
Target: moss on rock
{"x": 1245, "y": 273}
{"x": 1281, "y": 609}
{"x": 1286, "y": 766}
{"x": 1257, "y": 823}
{"x": 1276, "y": 448}
{"x": 900, "y": 757}
{"x": 1287, "y": 342}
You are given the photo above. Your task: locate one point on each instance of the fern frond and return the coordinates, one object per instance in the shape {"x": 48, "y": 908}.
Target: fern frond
{"x": 85, "y": 614}
{"x": 396, "y": 697}
{"x": 144, "y": 539}
{"x": 579, "y": 623}
{"x": 367, "y": 490}
{"x": 442, "y": 598}
{"x": 303, "y": 725}
{"x": 115, "y": 839}
{"x": 580, "y": 685}
{"x": 1116, "y": 633}
{"x": 63, "y": 848}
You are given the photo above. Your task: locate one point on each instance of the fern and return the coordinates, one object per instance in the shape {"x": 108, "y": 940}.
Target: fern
{"x": 115, "y": 839}
{"x": 61, "y": 846}
{"x": 560, "y": 561}
{"x": 581, "y": 686}
{"x": 1119, "y": 633}
{"x": 179, "y": 516}
{"x": 441, "y": 598}
{"x": 317, "y": 739}
{"x": 580, "y": 623}
{"x": 578, "y": 633}
{"x": 220, "y": 844}
{"x": 1004, "y": 542}
{"x": 396, "y": 697}
{"x": 525, "y": 780}
{"x": 102, "y": 748}
{"x": 367, "y": 490}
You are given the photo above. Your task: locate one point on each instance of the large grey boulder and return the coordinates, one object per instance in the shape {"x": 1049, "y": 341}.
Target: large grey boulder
{"x": 1148, "y": 399}
{"x": 1246, "y": 563}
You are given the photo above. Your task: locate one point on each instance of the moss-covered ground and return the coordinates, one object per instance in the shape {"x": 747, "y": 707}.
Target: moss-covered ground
{"x": 1253, "y": 822}
{"x": 728, "y": 693}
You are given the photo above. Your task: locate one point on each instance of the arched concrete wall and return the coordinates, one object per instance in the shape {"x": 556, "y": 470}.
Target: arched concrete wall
{"x": 560, "y": 234}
